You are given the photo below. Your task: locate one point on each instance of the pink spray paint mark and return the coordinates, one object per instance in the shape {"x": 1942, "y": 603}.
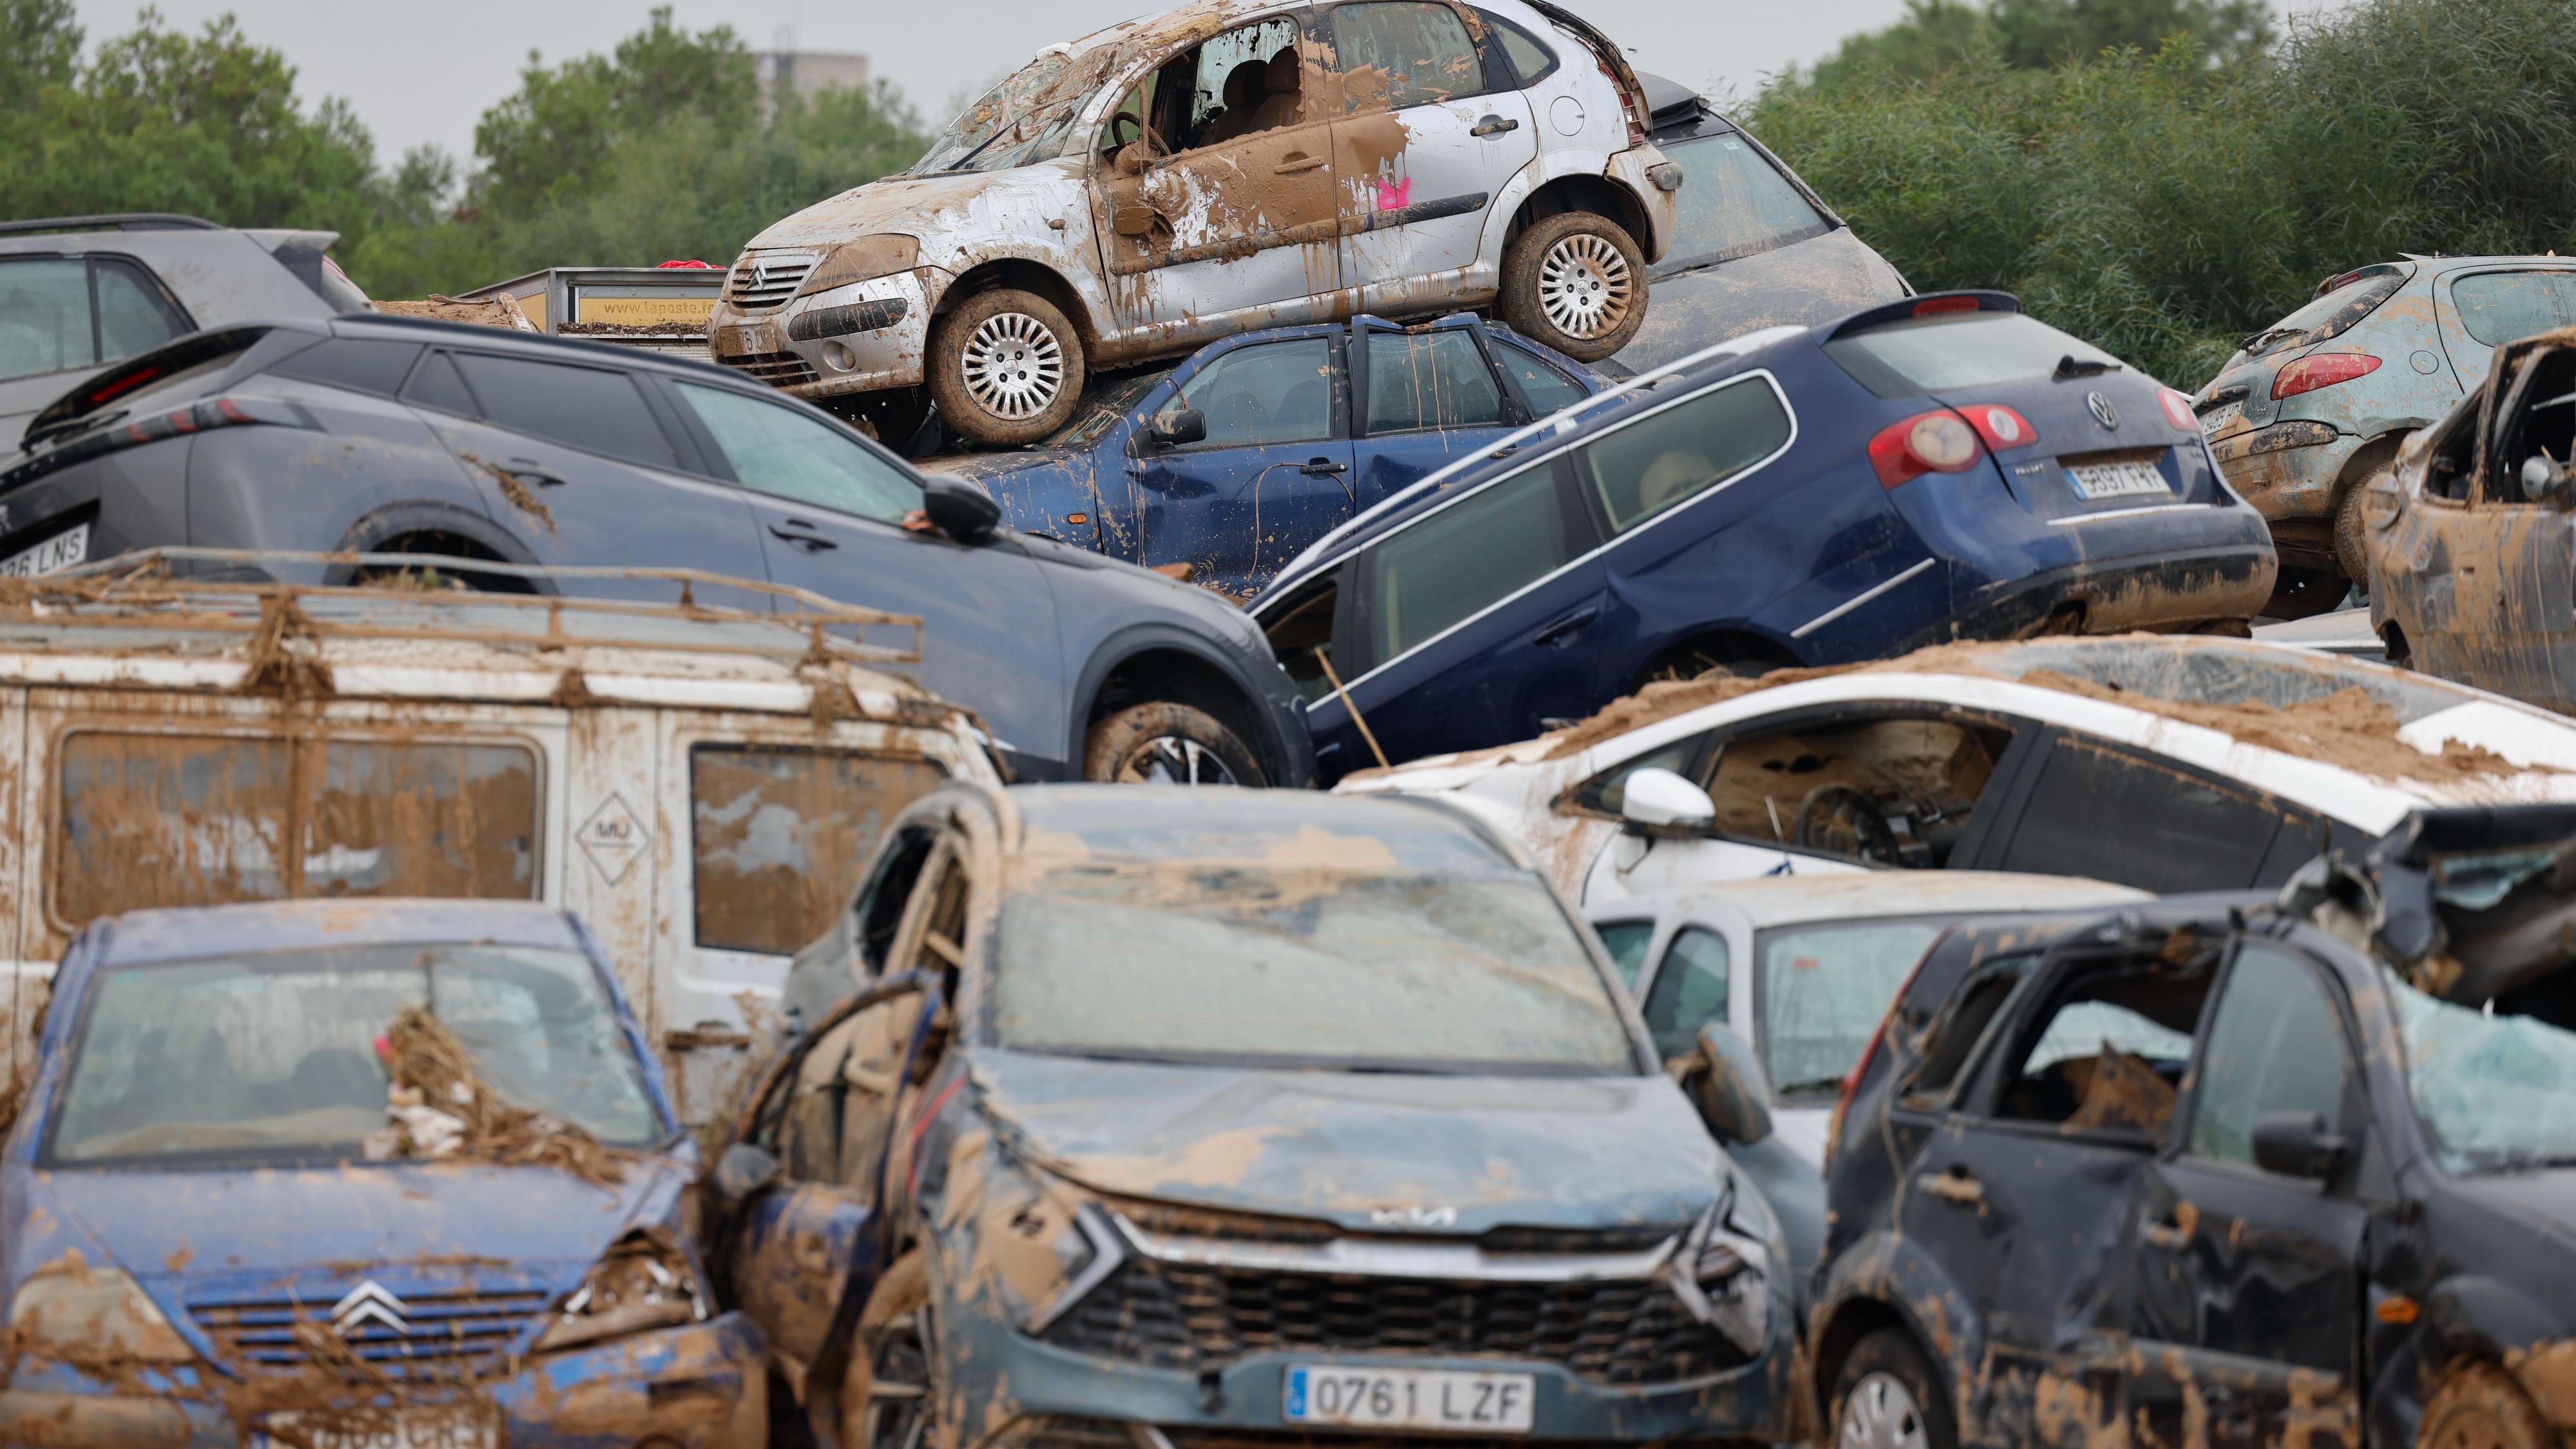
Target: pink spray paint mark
{"x": 1394, "y": 195}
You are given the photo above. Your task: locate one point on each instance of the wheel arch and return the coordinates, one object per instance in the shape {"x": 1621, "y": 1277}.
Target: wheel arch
{"x": 1719, "y": 645}
{"x": 1882, "y": 1281}
{"x": 1161, "y": 662}
{"x": 1028, "y": 274}
{"x": 433, "y": 528}
{"x": 1586, "y": 191}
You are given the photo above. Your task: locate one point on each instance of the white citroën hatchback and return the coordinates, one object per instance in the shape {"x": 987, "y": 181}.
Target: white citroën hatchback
{"x": 1226, "y": 165}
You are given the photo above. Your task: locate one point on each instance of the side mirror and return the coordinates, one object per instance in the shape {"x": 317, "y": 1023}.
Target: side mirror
{"x": 1661, "y": 800}
{"x": 1184, "y": 425}
{"x": 959, "y": 509}
{"x": 1733, "y": 1093}
{"x": 2296, "y": 1144}
{"x": 742, "y": 1171}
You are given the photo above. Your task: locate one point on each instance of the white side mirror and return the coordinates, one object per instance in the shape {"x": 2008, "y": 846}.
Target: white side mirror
{"x": 1660, "y": 800}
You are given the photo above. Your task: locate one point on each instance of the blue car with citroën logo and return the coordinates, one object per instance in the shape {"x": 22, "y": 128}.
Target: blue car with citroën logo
{"x": 198, "y": 1246}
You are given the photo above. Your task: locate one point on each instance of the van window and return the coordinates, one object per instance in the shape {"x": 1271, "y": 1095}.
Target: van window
{"x": 778, "y": 835}
{"x": 151, "y": 820}
{"x": 1668, "y": 458}
{"x": 1457, "y": 562}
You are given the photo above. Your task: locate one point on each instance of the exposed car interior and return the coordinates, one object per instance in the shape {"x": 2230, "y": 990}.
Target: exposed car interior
{"x": 2109, "y": 1054}
{"x": 1892, "y": 791}
{"x": 2536, "y": 436}
{"x": 1239, "y": 83}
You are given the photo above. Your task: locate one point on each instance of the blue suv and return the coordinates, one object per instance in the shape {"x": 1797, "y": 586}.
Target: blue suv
{"x": 1227, "y": 466}
{"x": 1939, "y": 468}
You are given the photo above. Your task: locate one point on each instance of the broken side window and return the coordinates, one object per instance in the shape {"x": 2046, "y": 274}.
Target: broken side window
{"x": 1234, "y": 80}
{"x": 1925, "y": 778}
{"x": 2537, "y": 443}
{"x": 1400, "y": 53}
{"x": 1425, "y": 380}
{"x": 2495, "y": 1088}
{"x": 2276, "y": 1045}
{"x": 1667, "y": 458}
{"x": 2115, "y": 816}
{"x": 2108, "y": 1053}
{"x": 1955, "y": 1034}
{"x": 778, "y": 834}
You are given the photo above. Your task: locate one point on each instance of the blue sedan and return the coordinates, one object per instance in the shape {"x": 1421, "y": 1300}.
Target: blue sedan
{"x": 1938, "y": 468}
{"x": 200, "y": 1245}
{"x": 1227, "y": 466}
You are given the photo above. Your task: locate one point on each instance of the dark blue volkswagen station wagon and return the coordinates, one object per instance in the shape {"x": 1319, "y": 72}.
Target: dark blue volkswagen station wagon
{"x": 1938, "y": 468}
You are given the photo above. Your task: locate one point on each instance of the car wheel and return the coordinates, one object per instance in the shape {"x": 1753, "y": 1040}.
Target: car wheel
{"x": 2349, "y": 530}
{"x": 1006, "y": 368}
{"x": 1576, "y": 282}
{"x": 1887, "y": 1397}
{"x": 886, "y": 1400}
{"x": 2479, "y": 1406}
{"x": 1163, "y": 743}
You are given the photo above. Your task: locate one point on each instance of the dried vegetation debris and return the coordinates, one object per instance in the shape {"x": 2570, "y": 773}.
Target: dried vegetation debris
{"x": 441, "y": 1108}
{"x": 482, "y": 311}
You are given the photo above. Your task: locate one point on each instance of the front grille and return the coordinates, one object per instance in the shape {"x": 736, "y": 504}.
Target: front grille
{"x": 444, "y": 1335}
{"x": 778, "y": 369}
{"x": 1191, "y": 1316}
{"x": 762, "y": 281}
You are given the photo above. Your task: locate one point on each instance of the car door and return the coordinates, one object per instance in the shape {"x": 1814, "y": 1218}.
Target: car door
{"x": 1429, "y": 398}
{"x": 1421, "y": 150}
{"x": 1199, "y": 223}
{"x": 1272, "y": 475}
{"x": 2246, "y": 1301}
{"x": 1475, "y": 619}
{"x": 2180, "y": 828}
{"x": 582, "y": 470}
{"x": 2481, "y": 310}
{"x": 832, "y": 515}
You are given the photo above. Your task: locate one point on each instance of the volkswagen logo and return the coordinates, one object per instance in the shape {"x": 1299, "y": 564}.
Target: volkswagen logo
{"x": 2103, "y": 413}
{"x": 367, "y": 1303}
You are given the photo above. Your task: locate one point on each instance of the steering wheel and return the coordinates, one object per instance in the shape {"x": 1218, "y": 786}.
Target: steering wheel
{"x": 1827, "y": 806}
{"x": 1134, "y": 123}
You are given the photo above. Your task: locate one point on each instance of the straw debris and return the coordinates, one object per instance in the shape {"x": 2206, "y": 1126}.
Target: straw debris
{"x": 441, "y": 1108}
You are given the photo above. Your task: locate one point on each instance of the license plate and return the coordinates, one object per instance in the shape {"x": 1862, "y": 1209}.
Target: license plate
{"x": 426, "y": 1429}
{"x": 2116, "y": 480}
{"x": 2219, "y": 417}
{"x": 1411, "y": 1399}
{"x": 58, "y": 552}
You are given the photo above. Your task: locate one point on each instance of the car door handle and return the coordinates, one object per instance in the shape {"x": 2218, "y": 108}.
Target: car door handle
{"x": 1564, "y": 630}
{"x": 1957, "y": 1185}
{"x": 1493, "y": 126}
{"x": 527, "y": 472}
{"x": 797, "y": 531}
{"x": 1295, "y": 163}
{"x": 2166, "y": 1235}
{"x": 1323, "y": 467}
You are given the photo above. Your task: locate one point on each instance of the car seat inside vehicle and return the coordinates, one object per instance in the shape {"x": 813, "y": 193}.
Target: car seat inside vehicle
{"x": 1898, "y": 791}
{"x": 2109, "y": 1056}
{"x": 2538, "y": 445}
{"x": 1238, "y": 84}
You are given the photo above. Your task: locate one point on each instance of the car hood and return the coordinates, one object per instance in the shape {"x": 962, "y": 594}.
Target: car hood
{"x": 277, "y": 1221}
{"x": 943, "y": 212}
{"x": 1363, "y": 1150}
{"x": 2544, "y": 1202}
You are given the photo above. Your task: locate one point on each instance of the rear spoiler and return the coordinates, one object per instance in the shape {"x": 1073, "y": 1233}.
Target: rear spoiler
{"x": 1926, "y": 305}
{"x": 139, "y": 371}
{"x": 2469, "y": 903}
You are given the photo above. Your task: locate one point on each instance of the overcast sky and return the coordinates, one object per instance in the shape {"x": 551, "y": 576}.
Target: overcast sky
{"x": 424, "y": 73}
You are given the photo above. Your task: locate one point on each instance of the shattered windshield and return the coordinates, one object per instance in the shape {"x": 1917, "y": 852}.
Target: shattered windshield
{"x": 282, "y": 1054}
{"x": 1024, "y": 119}
{"x": 1304, "y": 965}
{"x": 1823, "y": 991}
{"x": 2497, "y": 1093}
{"x": 2211, "y": 672}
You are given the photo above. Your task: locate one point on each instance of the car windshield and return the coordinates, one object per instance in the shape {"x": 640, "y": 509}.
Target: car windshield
{"x": 1324, "y": 965}
{"x": 276, "y": 1055}
{"x": 1104, "y": 405}
{"x": 2497, "y": 1092}
{"x": 1024, "y": 119}
{"x": 1932, "y": 355}
{"x": 1823, "y": 990}
{"x": 2214, "y": 671}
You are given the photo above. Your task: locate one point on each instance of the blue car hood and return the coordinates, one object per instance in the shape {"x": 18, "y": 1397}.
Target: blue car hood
{"x": 1364, "y": 1150}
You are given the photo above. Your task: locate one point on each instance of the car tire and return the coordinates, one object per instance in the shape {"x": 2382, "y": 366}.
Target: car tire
{"x": 1163, "y": 743}
{"x": 886, "y": 1396}
{"x": 2350, "y": 529}
{"x": 1005, "y": 367}
{"x": 2479, "y": 1406}
{"x": 1888, "y": 1397}
{"x": 1576, "y": 282}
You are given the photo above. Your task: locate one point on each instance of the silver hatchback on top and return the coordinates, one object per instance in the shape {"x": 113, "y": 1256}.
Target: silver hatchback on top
{"x": 1226, "y": 165}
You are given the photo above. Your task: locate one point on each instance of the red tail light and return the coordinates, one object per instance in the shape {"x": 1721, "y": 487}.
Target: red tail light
{"x": 2323, "y": 369}
{"x": 1999, "y": 427}
{"x": 1934, "y": 306}
{"x": 2178, "y": 410}
{"x": 1935, "y": 442}
{"x": 1627, "y": 103}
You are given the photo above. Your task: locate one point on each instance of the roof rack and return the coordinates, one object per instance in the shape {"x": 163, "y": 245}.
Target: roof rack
{"x": 138, "y": 591}
{"x": 112, "y": 221}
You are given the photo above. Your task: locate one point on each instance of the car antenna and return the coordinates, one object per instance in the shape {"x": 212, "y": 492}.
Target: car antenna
{"x": 1344, "y": 695}
{"x": 2072, "y": 366}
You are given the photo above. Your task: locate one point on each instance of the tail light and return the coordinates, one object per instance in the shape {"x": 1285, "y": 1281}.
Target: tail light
{"x": 1939, "y": 441}
{"x": 1627, "y": 103}
{"x": 217, "y": 412}
{"x": 2178, "y": 410}
{"x": 1999, "y": 427}
{"x": 2323, "y": 369}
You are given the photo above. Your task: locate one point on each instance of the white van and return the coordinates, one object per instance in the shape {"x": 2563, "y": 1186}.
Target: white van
{"x": 699, "y": 784}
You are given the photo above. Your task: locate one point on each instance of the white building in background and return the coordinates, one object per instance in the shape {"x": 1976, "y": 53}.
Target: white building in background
{"x": 810, "y": 71}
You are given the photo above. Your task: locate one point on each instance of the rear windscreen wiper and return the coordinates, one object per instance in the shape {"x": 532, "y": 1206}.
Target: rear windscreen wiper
{"x": 2071, "y": 366}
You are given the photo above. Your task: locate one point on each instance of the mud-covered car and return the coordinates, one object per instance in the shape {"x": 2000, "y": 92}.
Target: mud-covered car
{"x": 2471, "y": 536}
{"x": 1166, "y": 1117}
{"x": 2292, "y": 1173}
{"x": 1229, "y": 164}
{"x": 2168, "y": 764}
{"x": 1224, "y": 468}
{"x": 2312, "y": 405}
{"x": 219, "y": 1226}
{"x": 1941, "y": 468}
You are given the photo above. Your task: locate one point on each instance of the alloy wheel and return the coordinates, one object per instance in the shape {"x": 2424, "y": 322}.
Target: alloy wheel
{"x": 1880, "y": 1413}
{"x": 1584, "y": 286}
{"x": 1174, "y": 760}
{"x": 1013, "y": 366}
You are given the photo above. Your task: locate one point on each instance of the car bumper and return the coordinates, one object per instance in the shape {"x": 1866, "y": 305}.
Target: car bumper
{"x": 879, "y": 328}
{"x": 700, "y": 1387}
{"x": 2161, "y": 592}
{"x": 2286, "y": 470}
{"x": 1031, "y": 1395}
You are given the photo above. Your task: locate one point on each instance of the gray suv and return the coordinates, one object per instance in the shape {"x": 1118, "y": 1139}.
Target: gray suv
{"x": 80, "y": 292}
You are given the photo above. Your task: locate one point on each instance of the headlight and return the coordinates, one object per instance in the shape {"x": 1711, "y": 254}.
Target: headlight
{"x": 77, "y": 1313}
{"x": 1723, "y": 1274}
{"x": 643, "y": 1282}
{"x": 869, "y": 257}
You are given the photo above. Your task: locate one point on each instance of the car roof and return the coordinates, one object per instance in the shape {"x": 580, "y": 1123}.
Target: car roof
{"x": 1253, "y": 827}
{"x": 537, "y": 344}
{"x": 1786, "y": 900}
{"x": 143, "y": 938}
